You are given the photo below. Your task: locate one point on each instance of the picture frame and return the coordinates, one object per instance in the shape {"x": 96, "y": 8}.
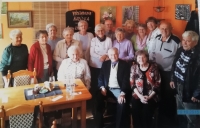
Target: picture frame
{"x": 4, "y": 8}
{"x": 19, "y": 19}
{"x": 1, "y": 32}
{"x": 108, "y": 12}
{"x": 182, "y": 12}
{"x": 130, "y": 13}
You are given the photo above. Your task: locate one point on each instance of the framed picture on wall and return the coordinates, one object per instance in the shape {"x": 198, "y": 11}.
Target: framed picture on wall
{"x": 182, "y": 12}
{"x": 107, "y": 12}
{"x": 1, "y": 32}
{"x": 4, "y": 8}
{"x": 130, "y": 13}
{"x": 19, "y": 19}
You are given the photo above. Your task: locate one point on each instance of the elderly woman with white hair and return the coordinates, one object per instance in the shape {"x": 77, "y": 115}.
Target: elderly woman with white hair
{"x": 84, "y": 37}
{"x": 15, "y": 55}
{"x": 74, "y": 67}
{"x": 98, "y": 54}
{"x": 52, "y": 41}
{"x": 60, "y": 52}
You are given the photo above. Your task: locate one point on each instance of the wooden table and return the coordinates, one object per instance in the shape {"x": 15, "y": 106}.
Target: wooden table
{"x": 16, "y": 97}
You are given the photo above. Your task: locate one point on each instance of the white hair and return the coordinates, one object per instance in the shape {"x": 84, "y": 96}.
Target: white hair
{"x": 82, "y": 21}
{"x": 14, "y": 32}
{"x": 72, "y": 49}
{"x": 192, "y": 34}
{"x": 99, "y": 26}
{"x": 112, "y": 49}
{"x": 71, "y": 29}
{"x": 50, "y": 25}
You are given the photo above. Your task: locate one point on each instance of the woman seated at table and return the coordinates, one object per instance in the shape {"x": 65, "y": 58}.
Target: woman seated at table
{"x": 145, "y": 81}
{"x": 139, "y": 39}
{"x": 15, "y": 56}
{"x": 40, "y": 57}
{"x": 74, "y": 67}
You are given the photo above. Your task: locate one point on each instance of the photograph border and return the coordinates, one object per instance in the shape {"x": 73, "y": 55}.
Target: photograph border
{"x": 20, "y": 26}
{"x": 1, "y": 31}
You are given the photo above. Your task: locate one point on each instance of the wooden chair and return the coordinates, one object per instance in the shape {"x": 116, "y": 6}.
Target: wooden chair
{"x": 2, "y": 117}
{"x": 23, "y": 116}
{"x": 8, "y": 77}
{"x": 54, "y": 124}
{"x": 24, "y": 77}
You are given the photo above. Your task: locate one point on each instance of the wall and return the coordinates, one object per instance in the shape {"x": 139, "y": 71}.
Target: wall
{"x": 27, "y": 32}
{"x": 145, "y": 10}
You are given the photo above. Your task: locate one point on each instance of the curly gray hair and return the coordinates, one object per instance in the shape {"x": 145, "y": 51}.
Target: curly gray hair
{"x": 14, "y": 32}
{"x": 50, "y": 25}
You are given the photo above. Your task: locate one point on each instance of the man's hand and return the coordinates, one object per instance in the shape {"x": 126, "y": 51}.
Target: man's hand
{"x": 172, "y": 84}
{"x": 195, "y": 100}
{"x": 103, "y": 91}
{"x": 121, "y": 99}
{"x": 102, "y": 59}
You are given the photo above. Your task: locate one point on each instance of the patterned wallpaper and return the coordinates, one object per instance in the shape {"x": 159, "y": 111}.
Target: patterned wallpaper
{"x": 49, "y": 12}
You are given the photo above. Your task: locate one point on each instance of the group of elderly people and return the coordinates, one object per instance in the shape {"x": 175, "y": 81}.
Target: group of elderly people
{"x": 161, "y": 68}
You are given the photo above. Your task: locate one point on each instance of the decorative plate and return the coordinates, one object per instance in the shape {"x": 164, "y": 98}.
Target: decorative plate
{"x": 44, "y": 90}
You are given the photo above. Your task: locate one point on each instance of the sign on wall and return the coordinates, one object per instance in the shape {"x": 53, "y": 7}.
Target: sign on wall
{"x": 74, "y": 16}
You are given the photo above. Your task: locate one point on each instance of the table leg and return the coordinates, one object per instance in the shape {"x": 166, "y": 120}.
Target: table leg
{"x": 83, "y": 114}
{"x": 74, "y": 117}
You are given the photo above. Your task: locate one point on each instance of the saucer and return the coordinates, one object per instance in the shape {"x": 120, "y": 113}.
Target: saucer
{"x": 44, "y": 90}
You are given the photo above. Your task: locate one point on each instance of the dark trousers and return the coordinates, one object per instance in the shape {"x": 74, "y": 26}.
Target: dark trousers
{"x": 55, "y": 71}
{"x": 142, "y": 113}
{"x": 122, "y": 111}
{"x": 187, "y": 121}
{"x": 94, "y": 86}
{"x": 167, "y": 105}
{"x": 45, "y": 76}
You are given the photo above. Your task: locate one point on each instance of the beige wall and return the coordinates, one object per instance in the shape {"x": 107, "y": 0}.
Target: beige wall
{"x": 27, "y": 32}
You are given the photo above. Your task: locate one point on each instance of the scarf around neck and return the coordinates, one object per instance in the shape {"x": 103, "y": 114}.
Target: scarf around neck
{"x": 141, "y": 44}
{"x": 101, "y": 39}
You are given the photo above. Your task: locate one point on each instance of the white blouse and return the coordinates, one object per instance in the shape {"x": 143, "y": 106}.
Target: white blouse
{"x": 151, "y": 40}
{"x": 97, "y": 50}
{"x": 75, "y": 70}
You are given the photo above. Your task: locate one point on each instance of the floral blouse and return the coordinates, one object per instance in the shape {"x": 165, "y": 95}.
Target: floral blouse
{"x": 75, "y": 70}
{"x": 153, "y": 80}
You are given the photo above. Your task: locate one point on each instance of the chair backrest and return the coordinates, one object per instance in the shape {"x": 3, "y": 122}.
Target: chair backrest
{"x": 8, "y": 77}
{"x": 23, "y": 116}
{"x": 54, "y": 124}
{"x": 2, "y": 117}
{"x": 24, "y": 77}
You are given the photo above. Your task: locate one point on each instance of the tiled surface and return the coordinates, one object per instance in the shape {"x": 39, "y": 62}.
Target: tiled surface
{"x": 49, "y": 12}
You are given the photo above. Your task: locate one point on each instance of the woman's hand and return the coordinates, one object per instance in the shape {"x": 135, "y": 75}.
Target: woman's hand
{"x": 102, "y": 59}
{"x": 144, "y": 99}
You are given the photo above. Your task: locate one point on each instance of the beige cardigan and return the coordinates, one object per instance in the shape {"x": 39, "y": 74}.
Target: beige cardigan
{"x": 86, "y": 55}
{"x": 60, "y": 52}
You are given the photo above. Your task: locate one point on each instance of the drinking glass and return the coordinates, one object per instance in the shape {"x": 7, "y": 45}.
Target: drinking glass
{"x": 69, "y": 88}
